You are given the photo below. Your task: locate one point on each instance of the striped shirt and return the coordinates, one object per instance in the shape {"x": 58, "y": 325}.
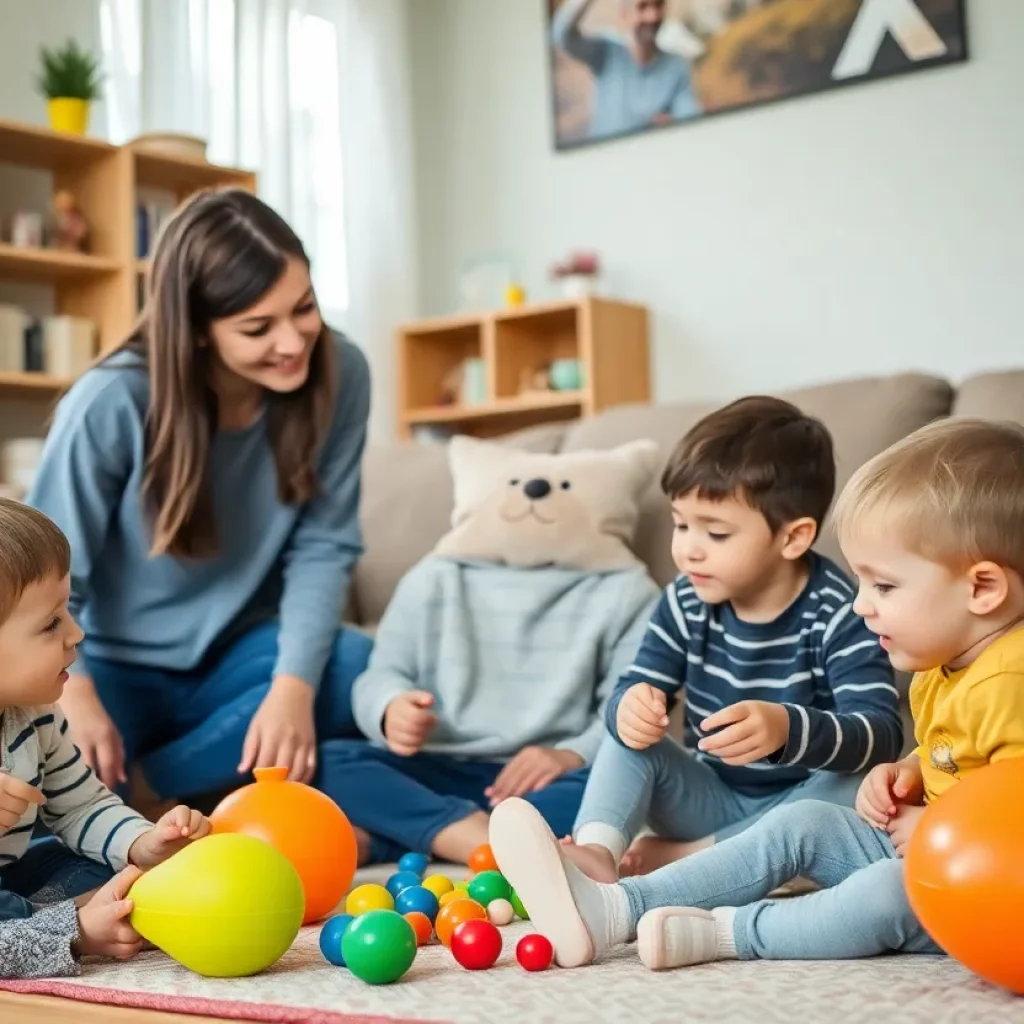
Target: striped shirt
{"x": 79, "y": 809}
{"x": 817, "y": 659}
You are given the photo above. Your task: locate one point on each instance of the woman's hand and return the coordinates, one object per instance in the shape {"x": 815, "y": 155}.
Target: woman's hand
{"x": 282, "y": 732}
{"x": 93, "y": 731}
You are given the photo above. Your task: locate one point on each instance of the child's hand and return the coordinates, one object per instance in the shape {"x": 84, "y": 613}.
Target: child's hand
{"x": 531, "y": 769}
{"x": 641, "y": 720}
{"x": 103, "y": 928}
{"x": 408, "y": 721}
{"x": 901, "y": 826}
{"x": 176, "y": 829}
{"x": 887, "y": 786}
{"x": 15, "y": 796}
{"x": 750, "y": 730}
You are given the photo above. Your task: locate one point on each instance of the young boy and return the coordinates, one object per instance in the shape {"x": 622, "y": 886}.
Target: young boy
{"x": 934, "y": 528}
{"x": 42, "y": 776}
{"x": 787, "y": 695}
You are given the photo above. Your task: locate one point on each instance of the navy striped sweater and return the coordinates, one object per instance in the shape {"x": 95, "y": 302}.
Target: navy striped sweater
{"x": 817, "y": 659}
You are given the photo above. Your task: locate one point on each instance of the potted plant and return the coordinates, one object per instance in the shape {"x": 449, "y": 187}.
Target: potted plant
{"x": 577, "y": 274}
{"x": 70, "y": 81}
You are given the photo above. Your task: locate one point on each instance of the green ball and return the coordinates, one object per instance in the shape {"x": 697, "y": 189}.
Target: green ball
{"x": 379, "y": 946}
{"x": 517, "y": 906}
{"x": 488, "y": 886}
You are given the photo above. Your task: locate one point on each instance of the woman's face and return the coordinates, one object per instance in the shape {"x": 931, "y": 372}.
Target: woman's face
{"x": 270, "y": 343}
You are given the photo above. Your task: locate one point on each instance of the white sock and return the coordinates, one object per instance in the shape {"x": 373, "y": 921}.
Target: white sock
{"x": 725, "y": 935}
{"x": 604, "y": 909}
{"x": 597, "y": 833}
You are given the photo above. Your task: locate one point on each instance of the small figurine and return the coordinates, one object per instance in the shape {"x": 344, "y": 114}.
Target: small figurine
{"x": 70, "y": 229}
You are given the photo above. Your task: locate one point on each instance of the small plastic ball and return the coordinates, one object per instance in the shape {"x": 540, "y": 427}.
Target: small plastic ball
{"x": 455, "y": 914}
{"x": 517, "y": 906}
{"x": 401, "y": 880}
{"x": 365, "y": 898}
{"x": 462, "y": 886}
{"x": 438, "y": 884}
{"x": 476, "y": 945}
{"x": 418, "y": 899}
{"x": 489, "y": 886}
{"x": 421, "y": 926}
{"x": 330, "y": 938}
{"x": 379, "y": 947}
{"x": 452, "y": 896}
{"x": 414, "y": 862}
{"x": 534, "y": 952}
{"x": 482, "y": 859}
{"x": 500, "y": 912}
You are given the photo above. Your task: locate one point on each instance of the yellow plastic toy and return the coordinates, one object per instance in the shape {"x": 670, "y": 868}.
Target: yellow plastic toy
{"x": 438, "y": 884}
{"x": 225, "y": 906}
{"x": 364, "y": 898}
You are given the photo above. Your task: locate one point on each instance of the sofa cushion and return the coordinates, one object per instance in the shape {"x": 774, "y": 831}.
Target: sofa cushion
{"x": 993, "y": 396}
{"x": 406, "y": 506}
{"x": 864, "y": 416}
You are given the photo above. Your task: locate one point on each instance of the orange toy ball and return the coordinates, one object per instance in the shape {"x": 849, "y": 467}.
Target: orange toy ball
{"x": 302, "y": 823}
{"x": 482, "y": 859}
{"x": 421, "y": 926}
{"x": 965, "y": 872}
{"x": 455, "y": 914}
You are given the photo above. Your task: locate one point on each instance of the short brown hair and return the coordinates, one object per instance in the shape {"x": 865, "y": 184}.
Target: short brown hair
{"x": 953, "y": 491}
{"x": 32, "y": 547}
{"x": 762, "y": 450}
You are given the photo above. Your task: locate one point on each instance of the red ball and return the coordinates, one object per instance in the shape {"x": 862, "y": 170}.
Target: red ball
{"x": 476, "y": 944}
{"x": 534, "y": 952}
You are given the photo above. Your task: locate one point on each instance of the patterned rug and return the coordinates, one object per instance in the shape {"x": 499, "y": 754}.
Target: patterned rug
{"x": 302, "y": 987}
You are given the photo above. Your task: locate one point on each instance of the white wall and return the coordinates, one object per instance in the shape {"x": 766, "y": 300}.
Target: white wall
{"x": 866, "y": 230}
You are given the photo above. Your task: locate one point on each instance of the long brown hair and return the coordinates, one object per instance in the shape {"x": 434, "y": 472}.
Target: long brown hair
{"x": 220, "y": 253}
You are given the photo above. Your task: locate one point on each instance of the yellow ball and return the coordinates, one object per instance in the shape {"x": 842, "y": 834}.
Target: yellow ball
{"x": 462, "y": 886}
{"x": 451, "y": 897}
{"x": 438, "y": 885}
{"x": 365, "y": 898}
{"x": 224, "y": 906}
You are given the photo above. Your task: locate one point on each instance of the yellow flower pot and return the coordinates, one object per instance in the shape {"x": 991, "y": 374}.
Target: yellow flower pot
{"x": 69, "y": 115}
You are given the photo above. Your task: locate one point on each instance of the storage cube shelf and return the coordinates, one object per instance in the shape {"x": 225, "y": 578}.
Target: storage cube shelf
{"x": 606, "y": 339}
{"x": 102, "y": 284}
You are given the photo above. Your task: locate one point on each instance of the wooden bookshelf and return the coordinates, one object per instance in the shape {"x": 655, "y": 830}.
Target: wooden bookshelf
{"x": 608, "y": 338}
{"x": 101, "y": 285}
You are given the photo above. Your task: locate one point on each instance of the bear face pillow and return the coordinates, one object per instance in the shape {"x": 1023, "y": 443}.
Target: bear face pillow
{"x": 577, "y": 510}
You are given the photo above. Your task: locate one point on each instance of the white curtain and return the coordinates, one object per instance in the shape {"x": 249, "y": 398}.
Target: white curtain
{"x": 314, "y": 96}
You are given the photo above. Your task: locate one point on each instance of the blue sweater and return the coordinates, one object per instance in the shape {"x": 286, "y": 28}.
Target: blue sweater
{"x": 817, "y": 659}
{"x": 274, "y": 560}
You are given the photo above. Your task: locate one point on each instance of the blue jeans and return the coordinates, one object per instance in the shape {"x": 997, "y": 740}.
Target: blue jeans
{"x": 861, "y": 911}
{"x": 403, "y": 802}
{"x": 682, "y": 798}
{"x": 47, "y": 872}
{"x": 187, "y": 728}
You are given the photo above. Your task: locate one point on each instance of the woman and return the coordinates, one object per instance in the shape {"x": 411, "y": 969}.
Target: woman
{"x": 207, "y": 474}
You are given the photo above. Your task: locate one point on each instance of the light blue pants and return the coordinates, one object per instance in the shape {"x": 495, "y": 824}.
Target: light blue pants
{"x": 683, "y": 798}
{"x": 862, "y": 909}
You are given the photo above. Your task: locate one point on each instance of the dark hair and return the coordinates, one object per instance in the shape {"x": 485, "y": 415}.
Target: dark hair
{"x": 218, "y": 255}
{"x": 32, "y": 547}
{"x": 762, "y": 450}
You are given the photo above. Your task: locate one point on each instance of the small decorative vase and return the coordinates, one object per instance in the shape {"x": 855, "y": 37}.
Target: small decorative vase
{"x": 577, "y": 286}
{"x": 68, "y": 115}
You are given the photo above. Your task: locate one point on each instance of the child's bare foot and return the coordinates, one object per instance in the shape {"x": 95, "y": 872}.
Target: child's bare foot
{"x": 594, "y": 861}
{"x": 648, "y": 853}
{"x": 362, "y": 846}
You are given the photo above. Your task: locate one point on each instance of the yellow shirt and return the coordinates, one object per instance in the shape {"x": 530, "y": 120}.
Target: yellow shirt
{"x": 965, "y": 719}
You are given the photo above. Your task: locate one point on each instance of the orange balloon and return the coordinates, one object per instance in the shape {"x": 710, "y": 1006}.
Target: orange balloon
{"x": 482, "y": 859}
{"x": 964, "y": 872}
{"x": 421, "y": 926}
{"x": 305, "y": 825}
{"x": 455, "y": 914}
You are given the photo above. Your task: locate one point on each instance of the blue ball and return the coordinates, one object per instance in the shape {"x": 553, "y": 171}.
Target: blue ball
{"x": 417, "y": 898}
{"x": 401, "y": 880}
{"x": 414, "y": 862}
{"x": 330, "y": 938}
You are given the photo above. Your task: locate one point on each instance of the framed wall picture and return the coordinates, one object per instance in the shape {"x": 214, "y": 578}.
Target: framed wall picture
{"x": 619, "y": 67}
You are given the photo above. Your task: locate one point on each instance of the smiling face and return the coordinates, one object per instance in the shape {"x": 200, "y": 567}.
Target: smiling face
{"x": 37, "y": 644}
{"x": 269, "y": 344}
{"x": 643, "y": 19}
